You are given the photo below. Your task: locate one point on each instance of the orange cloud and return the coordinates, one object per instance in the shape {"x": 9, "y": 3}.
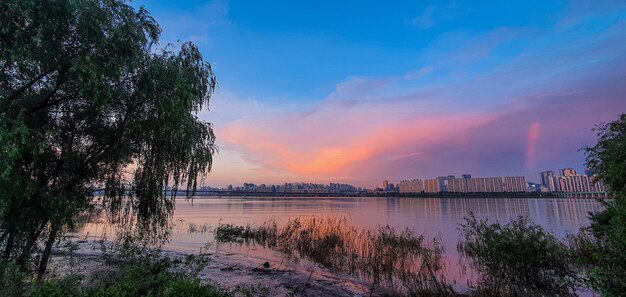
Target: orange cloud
{"x": 335, "y": 142}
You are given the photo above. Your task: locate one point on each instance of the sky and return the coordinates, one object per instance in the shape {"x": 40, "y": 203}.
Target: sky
{"x": 361, "y": 91}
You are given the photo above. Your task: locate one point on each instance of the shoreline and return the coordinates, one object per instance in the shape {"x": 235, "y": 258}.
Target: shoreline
{"x": 228, "y": 270}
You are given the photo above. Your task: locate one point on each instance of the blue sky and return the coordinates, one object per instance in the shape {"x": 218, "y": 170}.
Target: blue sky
{"x": 348, "y": 90}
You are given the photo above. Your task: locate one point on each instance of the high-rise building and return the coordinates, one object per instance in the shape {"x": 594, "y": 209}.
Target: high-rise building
{"x": 575, "y": 183}
{"x": 411, "y": 186}
{"x": 546, "y": 177}
{"x": 457, "y": 185}
{"x": 443, "y": 183}
{"x": 515, "y": 184}
{"x": 431, "y": 185}
{"x": 385, "y": 185}
{"x": 568, "y": 172}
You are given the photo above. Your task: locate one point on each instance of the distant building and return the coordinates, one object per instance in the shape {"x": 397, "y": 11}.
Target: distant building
{"x": 533, "y": 187}
{"x": 431, "y": 185}
{"x": 568, "y": 172}
{"x": 385, "y": 185}
{"x": 546, "y": 178}
{"x": 515, "y": 184}
{"x": 442, "y": 182}
{"x": 457, "y": 185}
{"x": 571, "y": 182}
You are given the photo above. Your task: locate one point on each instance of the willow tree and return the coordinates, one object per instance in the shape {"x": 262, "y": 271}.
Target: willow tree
{"x": 88, "y": 100}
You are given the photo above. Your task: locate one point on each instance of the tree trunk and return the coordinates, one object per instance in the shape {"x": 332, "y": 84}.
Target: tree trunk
{"x": 30, "y": 243}
{"x": 8, "y": 248}
{"x": 45, "y": 257}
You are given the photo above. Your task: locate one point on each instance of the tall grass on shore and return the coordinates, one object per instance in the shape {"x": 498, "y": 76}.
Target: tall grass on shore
{"x": 401, "y": 260}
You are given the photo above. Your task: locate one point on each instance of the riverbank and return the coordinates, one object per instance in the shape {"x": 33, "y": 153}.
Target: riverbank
{"x": 239, "y": 274}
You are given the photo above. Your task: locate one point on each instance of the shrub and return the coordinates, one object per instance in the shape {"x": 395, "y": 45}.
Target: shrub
{"x": 69, "y": 286}
{"x": 517, "y": 259}
{"x": 601, "y": 250}
{"x": 154, "y": 279}
{"x": 147, "y": 278}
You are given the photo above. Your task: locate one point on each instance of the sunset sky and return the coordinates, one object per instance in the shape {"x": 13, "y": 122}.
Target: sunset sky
{"x": 360, "y": 91}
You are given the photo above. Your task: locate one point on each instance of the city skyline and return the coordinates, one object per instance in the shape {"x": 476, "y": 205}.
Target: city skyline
{"x": 568, "y": 179}
{"x": 351, "y": 93}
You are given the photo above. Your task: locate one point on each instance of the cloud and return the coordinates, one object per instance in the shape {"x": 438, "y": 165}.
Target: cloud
{"x": 398, "y": 141}
{"x": 415, "y": 74}
{"x": 433, "y": 15}
{"x": 480, "y": 112}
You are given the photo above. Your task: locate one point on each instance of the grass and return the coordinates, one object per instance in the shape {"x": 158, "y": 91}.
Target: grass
{"x": 150, "y": 278}
{"x": 396, "y": 259}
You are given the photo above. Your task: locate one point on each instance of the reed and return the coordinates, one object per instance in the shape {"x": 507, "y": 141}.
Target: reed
{"x": 401, "y": 260}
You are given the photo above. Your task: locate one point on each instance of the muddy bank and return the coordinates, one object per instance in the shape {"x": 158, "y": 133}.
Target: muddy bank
{"x": 246, "y": 270}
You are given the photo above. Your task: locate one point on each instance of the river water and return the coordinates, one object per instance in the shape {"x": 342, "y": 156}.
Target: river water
{"x": 193, "y": 219}
{"x": 428, "y": 216}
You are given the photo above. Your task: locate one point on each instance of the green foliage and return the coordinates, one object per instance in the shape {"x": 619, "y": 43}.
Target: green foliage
{"x": 607, "y": 159}
{"x": 69, "y": 286}
{"x": 603, "y": 245}
{"x": 13, "y": 278}
{"x": 140, "y": 279}
{"x": 89, "y": 100}
{"x": 153, "y": 279}
{"x": 517, "y": 259}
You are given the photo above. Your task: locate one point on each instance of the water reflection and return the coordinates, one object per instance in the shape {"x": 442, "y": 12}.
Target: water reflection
{"x": 429, "y": 216}
{"x": 433, "y": 217}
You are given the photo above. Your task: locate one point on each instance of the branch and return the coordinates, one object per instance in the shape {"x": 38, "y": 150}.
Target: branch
{"x": 29, "y": 84}
{"x": 54, "y": 102}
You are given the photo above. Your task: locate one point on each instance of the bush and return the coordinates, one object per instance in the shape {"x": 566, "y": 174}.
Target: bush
{"x": 11, "y": 279}
{"x": 140, "y": 279}
{"x": 517, "y": 259}
{"x": 154, "y": 279}
{"x": 602, "y": 250}
{"x": 69, "y": 286}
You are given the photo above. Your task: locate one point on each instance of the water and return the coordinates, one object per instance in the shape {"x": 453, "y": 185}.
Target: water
{"x": 429, "y": 216}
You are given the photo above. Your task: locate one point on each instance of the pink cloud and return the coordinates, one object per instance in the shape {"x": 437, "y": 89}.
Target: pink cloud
{"x": 405, "y": 139}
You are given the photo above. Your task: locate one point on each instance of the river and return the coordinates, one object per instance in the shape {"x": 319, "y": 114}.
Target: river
{"x": 194, "y": 219}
